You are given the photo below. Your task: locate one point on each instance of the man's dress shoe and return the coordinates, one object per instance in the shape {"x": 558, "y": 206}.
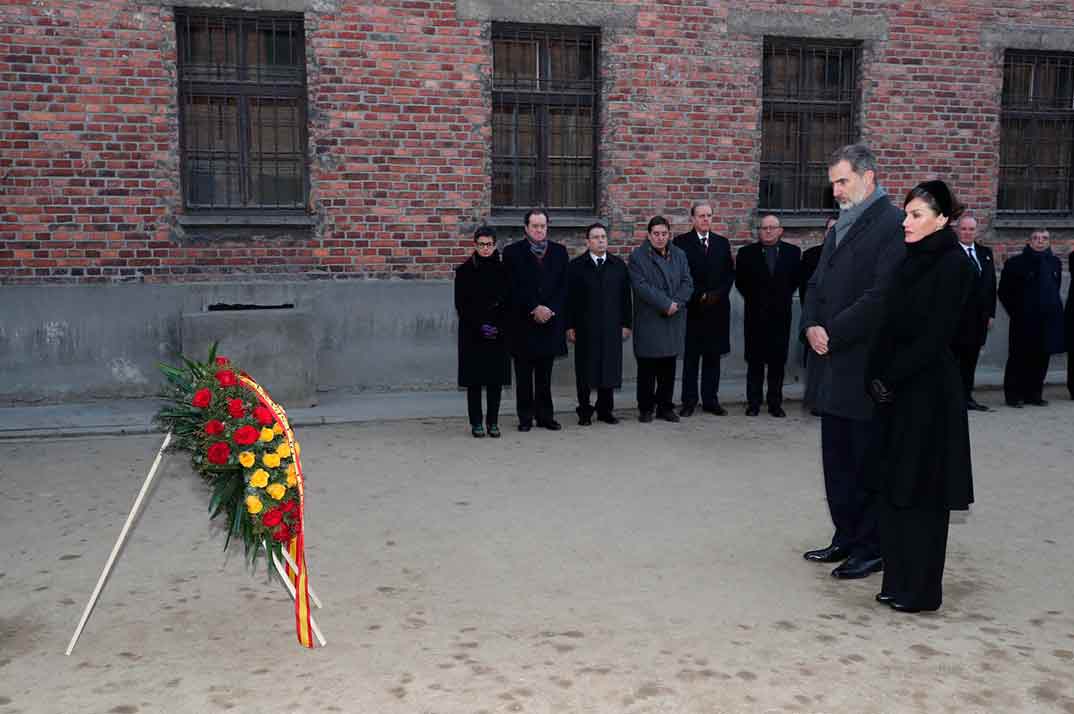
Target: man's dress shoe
{"x": 752, "y": 410}
{"x": 715, "y": 409}
{"x": 885, "y": 598}
{"x": 645, "y": 417}
{"x": 777, "y": 412}
{"x": 687, "y": 410}
{"x": 975, "y": 406}
{"x": 899, "y": 607}
{"x": 478, "y": 431}
{"x": 608, "y": 418}
{"x": 585, "y": 420}
{"x": 524, "y": 426}
{"x": 668, "y": 415}
{"x": 1037, "y": 402}
{"x": 1014, "y": 404}
{"x": 494, "y": 431}
{"x": 550, "y": 424}
{"x": 856, "y": 567}
{"x": 831, "y": 554}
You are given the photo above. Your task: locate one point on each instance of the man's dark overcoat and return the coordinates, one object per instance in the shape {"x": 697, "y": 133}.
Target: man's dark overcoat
{"x": 810, "y": 260}
{"x": 599, "y": 306}
{"x": 658, "y": 281}
{"x": 981, "y": 303}
{"x": 708, "y": 324}
{"x": 768, "y": 299}
{"x": 1029, "y": 290}
{"x": 922, "y": 459}
{"x": 481, "y": 299}
{"x": 847, "y": 296}
{"x": 536, "y": 282}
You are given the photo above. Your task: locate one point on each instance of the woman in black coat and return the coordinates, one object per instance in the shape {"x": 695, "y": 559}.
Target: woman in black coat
{"x": 481, "y": 288}
{"x": 921, "y": 461}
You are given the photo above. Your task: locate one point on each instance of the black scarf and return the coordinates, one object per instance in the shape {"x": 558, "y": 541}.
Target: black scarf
{"x": 480, "y": 261}
{"x": 922, "y": 255}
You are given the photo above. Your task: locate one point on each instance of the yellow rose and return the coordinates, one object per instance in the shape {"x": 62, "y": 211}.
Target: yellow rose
{"x": 271, "y": 460}
{"x": 276, "y": 490}
{"x": 283, "y": 450}
{"x": 253, "y": 504}
{"x": 292, "y": 477}
{"x": 247, "y": 459}
{"x": 277, "y": 427}
{"x": 259, "y": 479}
{"x": 267, "y": 434}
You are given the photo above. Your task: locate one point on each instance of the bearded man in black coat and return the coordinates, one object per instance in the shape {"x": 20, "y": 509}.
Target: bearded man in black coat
{"x": 708, "y": 314}
{"x": 599, "y": 316}
{"x": 766, "y": 274}
{"x": 1029, "y": 290}
{"x": 844, "y": 304}
{"x": 537, "y": 327}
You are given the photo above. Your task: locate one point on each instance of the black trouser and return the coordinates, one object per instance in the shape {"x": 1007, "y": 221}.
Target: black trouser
{"x": 656, "y": 383}
{"x": 1023, "y": 376}
{"x": 914, "y": 545}
{"x": 473, "y": 404}
{"x": 605, "y": 400}
{"x": 1070, "y": 370}
{"x": 533, "y": 391}
{"x": 709, "y": 363}
{"x": 755, "y": 374}
{"x": 843, "y": 444}
{"x": 967, "y": 365}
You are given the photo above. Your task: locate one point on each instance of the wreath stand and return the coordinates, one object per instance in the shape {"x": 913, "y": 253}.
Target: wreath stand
{"x": 123, "y": 537}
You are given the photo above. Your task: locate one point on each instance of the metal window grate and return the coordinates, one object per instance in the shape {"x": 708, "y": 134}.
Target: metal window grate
{"x": 810, "y": 96}
{"x": 242, "y": 99}
{"x": 1036, "y": 156}
{"x": 545, "y": 87}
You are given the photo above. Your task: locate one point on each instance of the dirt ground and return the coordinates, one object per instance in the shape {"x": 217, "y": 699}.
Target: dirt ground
{"x": 635, "y": 569}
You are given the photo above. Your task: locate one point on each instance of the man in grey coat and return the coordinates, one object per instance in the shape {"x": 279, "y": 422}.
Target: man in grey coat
{"x": 844, "y": 303}
{"x": 660, "y": 279}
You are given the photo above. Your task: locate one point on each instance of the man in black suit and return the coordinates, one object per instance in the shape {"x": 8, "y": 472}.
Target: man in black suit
{"x": 844, "y": 304}
{"x": 766, "y": 274}
{"x": 537, "y": 328}
{"x": 980, "y": 309}
{"x": 708, "y": 314}
{"x": 599, "y": 317}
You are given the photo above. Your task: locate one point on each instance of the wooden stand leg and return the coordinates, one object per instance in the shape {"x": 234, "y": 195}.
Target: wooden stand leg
{"x": 119, "y": 543}
{"x": 291, "y": 589}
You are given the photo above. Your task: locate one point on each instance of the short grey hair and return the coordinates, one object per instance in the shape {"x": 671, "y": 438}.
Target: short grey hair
{"x": 698, "y": 204}
{"x": 859, "y": 156}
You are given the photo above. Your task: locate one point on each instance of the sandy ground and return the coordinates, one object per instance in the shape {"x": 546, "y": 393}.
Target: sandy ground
{"x": 637, "y": 568}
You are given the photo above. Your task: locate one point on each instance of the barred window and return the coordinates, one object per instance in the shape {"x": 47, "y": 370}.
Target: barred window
{"x": 242, "y": 110}
{"x": 1036, "y": 150}
{"x": 810, "y": 96}
{"x": 545, "y": 86}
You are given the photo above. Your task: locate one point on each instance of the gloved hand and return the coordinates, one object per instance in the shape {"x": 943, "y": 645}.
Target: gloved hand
{"x": 880, "y": 392}
{"x": 490, "y": 332}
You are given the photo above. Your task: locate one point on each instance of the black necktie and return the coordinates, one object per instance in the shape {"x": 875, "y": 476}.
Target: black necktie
{"x": 973, "y": 259}
{"x": 600, "y": 262}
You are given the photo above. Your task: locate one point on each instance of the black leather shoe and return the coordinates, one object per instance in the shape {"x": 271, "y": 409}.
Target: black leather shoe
{"x": 687, "y": 410}
{"x": 585, "y": 420}
{"x": 885, "y": 598}
{"x": 645, "y": 417}
{"x": 899, "y": 607}
{"x": 1037, "y": 402}
{"x": 1014, "y": 404}
{"x": 608, "y": 418}
{"x": 715, "y": 409}
{"x": 974, "y": 406}
{"x": 831, "y": 554}
{"x": 856, "y": 567}
{"x": 550, "y": 424}
{"x": 668, "y": 415}
{"x": 777, "y": 412}
{"x": 478, "y": 431}
{"x": 494, "y": 430}
{"x": 752, "y": 410}
{"x": 525, "y": 426}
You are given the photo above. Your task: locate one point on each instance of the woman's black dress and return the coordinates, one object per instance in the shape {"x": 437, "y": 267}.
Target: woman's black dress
{"x": 921, "y": 462}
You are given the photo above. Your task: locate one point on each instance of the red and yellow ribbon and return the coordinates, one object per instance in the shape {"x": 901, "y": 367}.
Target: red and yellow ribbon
{"x": 300, "y": 577}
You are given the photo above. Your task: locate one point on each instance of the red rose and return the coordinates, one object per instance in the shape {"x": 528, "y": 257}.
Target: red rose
{"x": 226, "y": 378}
{"x": 245, "y": 435}
{"x": 264, "y": 416}
{"x": 272, "y": 518}
{"x": 219, "y": 453}
{"x": 234, "y": 408}
{"x": 202, "y": 398}
{"x": 222, "y": 361}
{"x": 287, "y": 506}
{"x": 214, "y": 427}
{"x": 282, "y": 534}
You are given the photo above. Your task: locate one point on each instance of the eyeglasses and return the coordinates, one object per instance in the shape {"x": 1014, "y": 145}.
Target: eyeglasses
{"x": 770, "y": 228}
{"x": 482, "y": 244}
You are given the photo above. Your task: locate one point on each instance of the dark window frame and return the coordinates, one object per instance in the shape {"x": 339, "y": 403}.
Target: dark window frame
{"x": 1022, "y": 189}
{"x": 803, "y": 102}
{"x": 541, "y": 96}
{"x": 247, "y": 84}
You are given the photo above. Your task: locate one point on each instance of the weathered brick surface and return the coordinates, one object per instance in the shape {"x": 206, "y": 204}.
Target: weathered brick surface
{"x": 400, "y": 134}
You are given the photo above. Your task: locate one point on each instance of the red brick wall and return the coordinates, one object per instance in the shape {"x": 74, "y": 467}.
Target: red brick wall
{"x": 399, "y": 132}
